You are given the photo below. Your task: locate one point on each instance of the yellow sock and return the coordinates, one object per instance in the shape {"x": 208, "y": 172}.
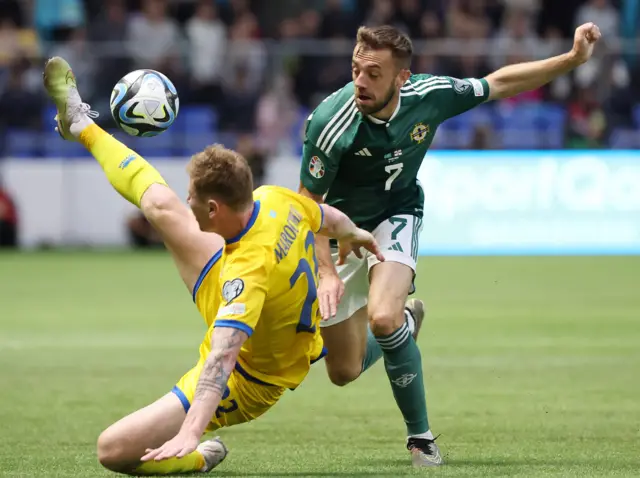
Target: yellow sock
{"x": 194, "y": 461}
{"x": 127, "y": 172}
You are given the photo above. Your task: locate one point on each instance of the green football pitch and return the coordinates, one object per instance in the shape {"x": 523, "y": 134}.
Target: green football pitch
{"x": 532, "y": 369}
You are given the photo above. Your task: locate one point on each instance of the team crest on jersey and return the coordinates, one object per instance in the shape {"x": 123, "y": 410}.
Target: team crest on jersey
{"x": 420, "y": 132}
{"x": 461, "y": 86}
{"x": 316, "y": 167}
{"x": 232, "y": 289}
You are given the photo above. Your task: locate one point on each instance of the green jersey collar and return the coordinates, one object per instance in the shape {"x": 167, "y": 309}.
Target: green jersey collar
{"x": 395, "y": 113}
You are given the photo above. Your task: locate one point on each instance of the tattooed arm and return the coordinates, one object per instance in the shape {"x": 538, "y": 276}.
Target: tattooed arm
{"x": 225, "y": 347}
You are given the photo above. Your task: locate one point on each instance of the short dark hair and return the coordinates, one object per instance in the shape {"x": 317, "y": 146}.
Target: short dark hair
{"x": 387, "y": 37}
{"x": 223, "y": 174}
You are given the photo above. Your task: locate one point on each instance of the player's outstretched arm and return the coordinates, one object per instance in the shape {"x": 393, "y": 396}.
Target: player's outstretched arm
{"x": 515, "y": 79}
{"x": 350, "y": 238}
{"x": 331, "y": 286}
{"x": 142, "y": 185}
{"x": 226, "y": 343}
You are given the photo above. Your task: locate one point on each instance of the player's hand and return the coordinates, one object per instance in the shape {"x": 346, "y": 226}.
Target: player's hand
{"x": 586, "y": 37}
{"x": 330, "y": 291}
{"x": 180, "y": 445}
{"x": 359, "y": 239}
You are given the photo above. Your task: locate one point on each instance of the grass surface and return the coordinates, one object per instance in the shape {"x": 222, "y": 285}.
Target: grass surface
{"x": 532, "y": 367}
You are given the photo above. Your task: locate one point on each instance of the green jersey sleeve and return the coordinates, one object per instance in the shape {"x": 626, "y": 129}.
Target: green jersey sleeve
{"x": 451, "y": 96}
{"x": 320, "y": 153}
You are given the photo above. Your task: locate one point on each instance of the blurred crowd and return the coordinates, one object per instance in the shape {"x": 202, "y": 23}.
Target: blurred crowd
{"x": 262, "y": 65}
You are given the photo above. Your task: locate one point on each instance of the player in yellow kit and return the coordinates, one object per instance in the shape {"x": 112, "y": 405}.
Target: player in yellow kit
{"x": 248, "y": 258}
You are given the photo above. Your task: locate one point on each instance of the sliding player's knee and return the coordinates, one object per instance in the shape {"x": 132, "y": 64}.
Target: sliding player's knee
{"x": 113, "y": 452}
{"x": 343, "y": 373}
{"x": 384, "y": 321}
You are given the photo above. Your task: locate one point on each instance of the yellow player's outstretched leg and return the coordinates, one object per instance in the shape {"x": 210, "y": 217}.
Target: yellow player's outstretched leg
{"x": 129, "y": 173}
{"x": 121, "y": 446}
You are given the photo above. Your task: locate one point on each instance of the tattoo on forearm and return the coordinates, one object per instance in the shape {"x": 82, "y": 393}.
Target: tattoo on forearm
{"x": 218, "y": 367}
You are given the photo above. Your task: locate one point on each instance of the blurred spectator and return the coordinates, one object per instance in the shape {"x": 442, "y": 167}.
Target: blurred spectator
{"x": 409, "y": 15}
{"x": 516, "y": 41}
{"x": 256, "y": 159}
{"x": 153, "y": 37}
{"x": 20, "y": 101}
{"x": 549, "y": 46}
{"x": 430, "y": 25}
{"x": 382, "y": 12}
{"x": 245, "y": 55}
{"x": 141, "y": 233}
{"x": 276, "y": 116}
{"x": 337, "y": 20}
{"x": 108, "y": 31}
{"x": 602, "y": 13}
{"x": 8, "y": 220}
{"x": 238, "y": 104}
{"x": 13, "y": 10}
{"x": 52, "y": 18}
{"x": 78, "y": 53}
{"x": 16, "y": 42}
{"x": 467, "y": 19}
{"x": 234, "y": 10}
{"x": 207, "y": 43}
{"x": 587, "y": 122}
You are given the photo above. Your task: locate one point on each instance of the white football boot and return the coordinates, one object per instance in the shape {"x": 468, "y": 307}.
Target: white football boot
{"x": 73, "y": 115}
{"x": 214, "y": 453}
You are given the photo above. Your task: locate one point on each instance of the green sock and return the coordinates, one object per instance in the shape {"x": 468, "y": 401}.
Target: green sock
{"x": 373, "y": 352}
{"x": 403, "y": 363}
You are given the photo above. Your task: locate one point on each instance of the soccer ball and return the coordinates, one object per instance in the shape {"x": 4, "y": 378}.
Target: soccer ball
{"x": 144, "y": 103}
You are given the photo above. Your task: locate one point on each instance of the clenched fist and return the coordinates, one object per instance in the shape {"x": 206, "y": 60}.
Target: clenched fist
{"x": 586, "y": 37}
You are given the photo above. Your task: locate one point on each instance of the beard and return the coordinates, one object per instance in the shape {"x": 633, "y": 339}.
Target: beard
{"x": 378, "y": 105}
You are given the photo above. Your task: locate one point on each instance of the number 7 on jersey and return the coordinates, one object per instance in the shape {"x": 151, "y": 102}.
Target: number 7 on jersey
{"x": 394, "y": 170}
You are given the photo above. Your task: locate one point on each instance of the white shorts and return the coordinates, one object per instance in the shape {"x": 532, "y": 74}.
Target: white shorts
{"x": 398, "y": 239}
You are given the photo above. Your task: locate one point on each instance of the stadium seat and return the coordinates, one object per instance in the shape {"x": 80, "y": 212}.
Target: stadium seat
{"x": 196, "y": 142}
{"x": 636, "y": 116}
{"x": 520, "y": 138}
{"x": 22, "y": 143}
{"x": 624, "y": 138}
{"x": 531, "y": 125}
{"x": 197, "y": 119}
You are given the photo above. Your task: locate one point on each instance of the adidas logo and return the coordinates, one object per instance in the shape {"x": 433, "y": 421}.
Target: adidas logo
{"x": 364, "y": 152}
{"x": 396, "y": 247}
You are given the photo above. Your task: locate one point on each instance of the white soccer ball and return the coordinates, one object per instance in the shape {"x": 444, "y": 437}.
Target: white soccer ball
{"x": 144, "y": 103}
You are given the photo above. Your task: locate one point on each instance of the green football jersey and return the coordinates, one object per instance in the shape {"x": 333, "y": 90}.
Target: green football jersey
{"x": 368, "y": 168}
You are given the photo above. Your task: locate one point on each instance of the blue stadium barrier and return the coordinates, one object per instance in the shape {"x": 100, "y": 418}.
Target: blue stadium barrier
{"x": 531, "y": 202}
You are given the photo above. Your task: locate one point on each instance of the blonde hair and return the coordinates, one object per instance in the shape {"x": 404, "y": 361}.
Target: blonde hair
{"x": 223, "y": 174}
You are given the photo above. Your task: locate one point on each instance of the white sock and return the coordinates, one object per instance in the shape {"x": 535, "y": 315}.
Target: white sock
{"x": 410, "y": 321}
{"x": 427, "y": 435}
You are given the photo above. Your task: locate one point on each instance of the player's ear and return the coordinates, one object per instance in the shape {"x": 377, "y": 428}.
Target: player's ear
{"x": 214, "y": 207}
{"x": 403, "y": 76}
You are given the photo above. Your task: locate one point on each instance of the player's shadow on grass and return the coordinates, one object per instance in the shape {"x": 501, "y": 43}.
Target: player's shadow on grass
{"x": 312, "y": 473}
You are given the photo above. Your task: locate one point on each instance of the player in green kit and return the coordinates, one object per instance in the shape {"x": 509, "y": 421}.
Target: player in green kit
{"x": 363, "y": 148}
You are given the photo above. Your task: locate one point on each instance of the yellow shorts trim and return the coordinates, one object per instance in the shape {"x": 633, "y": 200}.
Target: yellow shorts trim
{"x": 245, "y": 398}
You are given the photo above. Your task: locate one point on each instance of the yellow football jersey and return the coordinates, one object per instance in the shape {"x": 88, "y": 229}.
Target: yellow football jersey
{"x": 267, "y": 287}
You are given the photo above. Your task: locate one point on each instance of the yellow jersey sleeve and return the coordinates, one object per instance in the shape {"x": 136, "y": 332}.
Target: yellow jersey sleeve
{"x": 312, "y": 210}
{"x": 243, "y": 288}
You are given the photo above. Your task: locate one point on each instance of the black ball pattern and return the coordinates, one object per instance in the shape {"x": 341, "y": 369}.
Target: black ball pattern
{"x": 124, "y": 115}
